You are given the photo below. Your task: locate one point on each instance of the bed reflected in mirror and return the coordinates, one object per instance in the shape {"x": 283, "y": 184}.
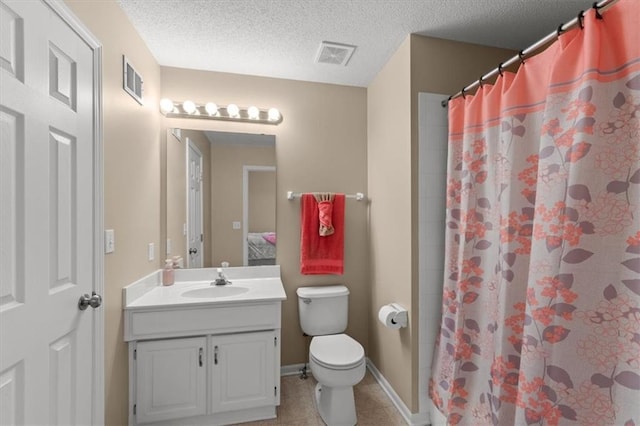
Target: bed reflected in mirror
{"x": 221, "y": 191}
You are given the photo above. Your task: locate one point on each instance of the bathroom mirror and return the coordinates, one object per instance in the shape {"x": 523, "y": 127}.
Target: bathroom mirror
{"x": 221, "y": 198}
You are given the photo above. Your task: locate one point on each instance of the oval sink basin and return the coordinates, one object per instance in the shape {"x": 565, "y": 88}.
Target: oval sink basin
{"x": 213, "y": 291}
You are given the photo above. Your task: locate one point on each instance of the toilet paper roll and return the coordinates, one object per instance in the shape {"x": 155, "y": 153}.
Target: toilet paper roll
{"x": 387, "y": 315}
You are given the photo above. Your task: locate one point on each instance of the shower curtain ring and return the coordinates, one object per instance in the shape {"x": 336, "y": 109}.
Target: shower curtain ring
{"x": 480, "y": 82}
{"x": 462, "y": 92}
{"x": 596, "y": 8}
{"x": 521, "y": 56}
{"x": 500, "y": 71}
{"x": 560, "y": 30}
{"x": 581, "y": 19}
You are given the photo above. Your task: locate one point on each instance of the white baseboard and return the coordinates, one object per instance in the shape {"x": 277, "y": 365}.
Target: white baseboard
{"x": 437, "y": 418}
{"x": 293, "y": 369}
{"x": 412, "y": 419}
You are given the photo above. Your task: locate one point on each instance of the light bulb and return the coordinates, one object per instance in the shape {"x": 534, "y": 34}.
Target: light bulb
{"x": 233, "y": 110}
{"x": 166, "y": 105}
{"x": 253, "y": 112}
{"x": 274, "y": 114}
{"x": 211, "y": 108}
{"x": 189, "y": 107}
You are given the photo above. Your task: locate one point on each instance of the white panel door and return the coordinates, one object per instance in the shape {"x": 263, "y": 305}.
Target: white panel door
{"x": 195, "y": 234}
{"x": 46, "y": 218}
{"x": 242, "y": 375}
{"x": 171, "y": 379}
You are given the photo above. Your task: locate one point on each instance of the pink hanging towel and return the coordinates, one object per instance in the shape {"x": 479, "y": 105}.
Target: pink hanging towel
{"x": 321, "y": 254}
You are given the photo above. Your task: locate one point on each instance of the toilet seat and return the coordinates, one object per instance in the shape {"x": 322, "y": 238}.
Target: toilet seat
{"x": 336, "y": 352}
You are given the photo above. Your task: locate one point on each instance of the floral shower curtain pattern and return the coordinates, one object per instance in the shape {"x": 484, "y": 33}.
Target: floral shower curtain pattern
{"x": 541, "y": 302}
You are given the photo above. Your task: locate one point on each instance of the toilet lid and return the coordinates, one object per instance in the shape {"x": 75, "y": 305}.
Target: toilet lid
{"x": 336, "y": 351}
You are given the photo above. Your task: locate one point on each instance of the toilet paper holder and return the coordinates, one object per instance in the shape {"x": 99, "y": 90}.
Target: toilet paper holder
{"x": 400, "y": 318}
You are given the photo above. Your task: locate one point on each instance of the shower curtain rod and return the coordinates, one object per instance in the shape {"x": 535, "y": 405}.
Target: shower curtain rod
{"x": 524, "y": 53}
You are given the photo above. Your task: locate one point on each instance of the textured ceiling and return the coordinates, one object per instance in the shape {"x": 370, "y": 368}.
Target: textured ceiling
{"x": 280, "y": 38}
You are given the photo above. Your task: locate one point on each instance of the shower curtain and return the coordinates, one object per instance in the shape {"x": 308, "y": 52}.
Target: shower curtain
{"x": 541, "y": 301}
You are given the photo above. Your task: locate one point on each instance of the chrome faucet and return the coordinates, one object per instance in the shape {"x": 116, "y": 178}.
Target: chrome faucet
{"x": 221, "y": 279}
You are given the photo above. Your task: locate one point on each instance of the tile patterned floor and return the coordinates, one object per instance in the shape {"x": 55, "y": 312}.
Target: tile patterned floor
{"x": 297, "y": 408}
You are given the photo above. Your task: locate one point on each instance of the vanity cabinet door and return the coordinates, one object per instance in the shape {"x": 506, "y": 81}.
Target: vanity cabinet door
{"x": 171, "y": 379}
{"x": 243, "y": 373}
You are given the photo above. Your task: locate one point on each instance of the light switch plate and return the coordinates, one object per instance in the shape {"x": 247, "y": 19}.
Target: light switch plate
{"x": 109, "y": 241}
{"x": 236, "y": 225}
{"x": 151, "y": 251}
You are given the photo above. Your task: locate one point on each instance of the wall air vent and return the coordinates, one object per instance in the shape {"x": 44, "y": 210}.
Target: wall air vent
{"x": 132, "y": 82}
{"x": 334, "y": 53}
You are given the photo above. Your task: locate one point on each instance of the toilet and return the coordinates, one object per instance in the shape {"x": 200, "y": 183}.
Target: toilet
{"x": 337, "y": 361}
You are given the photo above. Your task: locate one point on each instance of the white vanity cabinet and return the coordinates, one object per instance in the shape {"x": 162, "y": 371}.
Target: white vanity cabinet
{"x": 203, "y": 365}
{"x": 202, "y": 354}
{"x": 171, "y": 379}
{"x": 172, "y": 376}
{"x": 242, "y": 371}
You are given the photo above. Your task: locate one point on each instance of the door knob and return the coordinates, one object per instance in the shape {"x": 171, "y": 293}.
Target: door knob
{"x": 85, "y": 301}
{"x": 193, "y": 250}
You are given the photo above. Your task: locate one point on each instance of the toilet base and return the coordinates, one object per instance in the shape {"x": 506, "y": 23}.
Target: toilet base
{"x": 336, "y": 405}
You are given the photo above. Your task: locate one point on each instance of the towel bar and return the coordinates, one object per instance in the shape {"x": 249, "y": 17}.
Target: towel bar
{"x": 358, "y": 196}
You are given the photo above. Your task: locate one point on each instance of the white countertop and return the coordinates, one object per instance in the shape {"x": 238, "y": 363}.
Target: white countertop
{"x": 262, "y": 284}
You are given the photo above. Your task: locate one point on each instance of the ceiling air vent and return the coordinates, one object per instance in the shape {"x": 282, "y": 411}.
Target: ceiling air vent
{"x": 334, "y": 53}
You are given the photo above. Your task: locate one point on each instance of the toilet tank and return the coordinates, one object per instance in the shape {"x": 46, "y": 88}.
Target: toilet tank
{"x": 323, "y": 309}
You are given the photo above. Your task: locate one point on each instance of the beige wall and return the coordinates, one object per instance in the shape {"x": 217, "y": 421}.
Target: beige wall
{"x": 227, "y": 163}
{"x": 390, "y": 227}
{"x": 131, "y": 180}
{"x": 262, "y": 206}
{"x": 421, "y": 64}
{"x": 321, "y": 145}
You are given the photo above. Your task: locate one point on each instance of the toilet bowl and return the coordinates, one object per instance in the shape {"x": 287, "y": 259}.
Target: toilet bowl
{"x": 337, "y": 362}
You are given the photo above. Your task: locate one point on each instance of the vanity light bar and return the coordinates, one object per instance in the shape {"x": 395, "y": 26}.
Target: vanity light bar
{"x": 211, "y": 111}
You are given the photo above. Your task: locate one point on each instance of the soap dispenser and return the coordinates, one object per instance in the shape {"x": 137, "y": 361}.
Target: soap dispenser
{"x": 168, "y": 274}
